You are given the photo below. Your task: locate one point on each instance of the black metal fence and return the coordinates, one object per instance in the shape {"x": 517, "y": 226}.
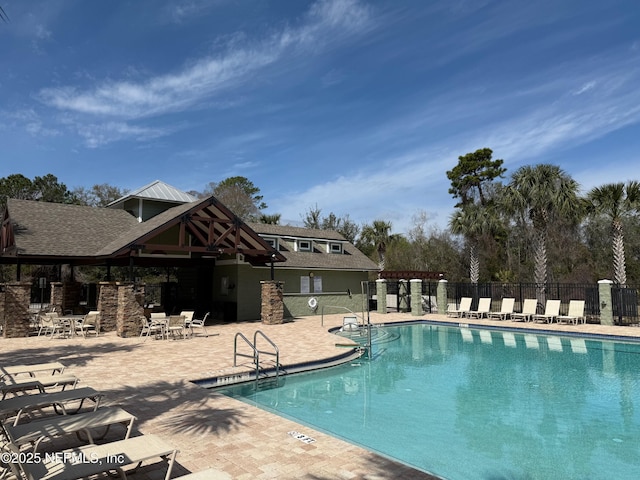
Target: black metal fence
{"x": 624, "y": 299}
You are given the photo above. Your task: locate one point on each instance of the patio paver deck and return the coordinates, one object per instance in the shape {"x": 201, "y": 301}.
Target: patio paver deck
{"x": 152, "y": 380}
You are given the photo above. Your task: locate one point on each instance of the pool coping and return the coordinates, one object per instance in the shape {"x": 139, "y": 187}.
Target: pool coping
{"x": 537, "y": 331}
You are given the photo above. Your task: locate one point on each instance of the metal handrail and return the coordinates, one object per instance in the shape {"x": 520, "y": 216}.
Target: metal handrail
{"x": 275, "y": 347}
{"x": 256, "y": 352}
{"x": 255, "y": 356}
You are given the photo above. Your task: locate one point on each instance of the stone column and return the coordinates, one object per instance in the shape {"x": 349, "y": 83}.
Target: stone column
{"x": 130, "y": 310}
{"x": 606, "y": 302}
{"x": 381, "y": 294}
{"x": 272, "y": 307}
{"x": 442, "y": 297}
{"x": 56, "y": 302}
{"x": 16, "y": 321}
{"x": 416, "y": 297}
{"x": 108, "y": 305}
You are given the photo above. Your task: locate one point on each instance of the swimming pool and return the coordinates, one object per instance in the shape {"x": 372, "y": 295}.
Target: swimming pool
{"x": 467, "y": 404}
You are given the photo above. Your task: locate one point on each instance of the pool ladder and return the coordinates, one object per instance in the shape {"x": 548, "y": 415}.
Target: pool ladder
{"x": 255, "y": 356}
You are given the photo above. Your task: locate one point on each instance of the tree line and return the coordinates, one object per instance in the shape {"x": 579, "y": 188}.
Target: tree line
{"x": 535, "y": 226}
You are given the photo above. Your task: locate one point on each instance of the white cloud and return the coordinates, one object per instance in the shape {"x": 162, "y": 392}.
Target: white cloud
{"x": 327, "y": 21}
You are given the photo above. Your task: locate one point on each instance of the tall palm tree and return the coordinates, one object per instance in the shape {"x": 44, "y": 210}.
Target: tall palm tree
{"x": 540, "y": 194}
{"x": 616, "y": 200}
{"x": 473, "y": 221}
{"x": 377, "y": 235}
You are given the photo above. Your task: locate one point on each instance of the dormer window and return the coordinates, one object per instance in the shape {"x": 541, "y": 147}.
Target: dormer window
{"x": 304, "y": 246}
{"x": 335, "y": 248}
{"x": 272, "y": 241}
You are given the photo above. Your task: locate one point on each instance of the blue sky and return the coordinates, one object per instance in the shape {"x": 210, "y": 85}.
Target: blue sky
{"x": 358, "y": 107}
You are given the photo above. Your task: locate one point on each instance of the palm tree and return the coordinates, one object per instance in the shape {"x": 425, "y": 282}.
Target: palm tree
{"x": 542, "y": 193}
{"x": 616, "y": 200}
{"x": 377, "y": 235}
{"x": 473, "y": 221}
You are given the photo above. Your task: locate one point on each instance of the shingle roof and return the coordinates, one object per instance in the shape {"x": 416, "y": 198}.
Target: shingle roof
{"x": 55, "y": 229}
{"x": 350, "y": 259}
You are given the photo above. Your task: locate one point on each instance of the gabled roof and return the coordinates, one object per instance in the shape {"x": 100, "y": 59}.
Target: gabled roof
{"x": 350, "y": 259}
{"x": 157, "y": 190}
{"x": 40, "y": 232}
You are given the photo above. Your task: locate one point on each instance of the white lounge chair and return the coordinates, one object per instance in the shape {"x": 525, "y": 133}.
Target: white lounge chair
{"x": 31, "y": 369}
{"x": 37, "y": 431}
{"x": 465, "y": 306}
{"x": 506, "y": 309}
{"x": 484, "y": 306}
{"x": 575, "y": 313}
{"x": 13, "y": 385}
{"x": 16, "y": 407}
{"x": 551, "y": 312}
{"x": 104, "y": 458}
{"x": 528, "y": 310}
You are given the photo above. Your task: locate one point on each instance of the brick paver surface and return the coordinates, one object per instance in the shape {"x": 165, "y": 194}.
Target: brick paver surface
{"x": 152, "y": 380}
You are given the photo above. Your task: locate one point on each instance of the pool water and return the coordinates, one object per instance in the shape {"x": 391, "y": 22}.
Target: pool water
{"x": 470, "y": 404}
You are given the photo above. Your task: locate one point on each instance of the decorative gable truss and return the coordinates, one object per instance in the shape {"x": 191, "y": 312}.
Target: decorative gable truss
{"x": 208, "y": 229}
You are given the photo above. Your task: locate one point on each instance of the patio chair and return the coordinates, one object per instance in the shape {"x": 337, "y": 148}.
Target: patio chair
{"x": 199, "y": 324}
{"x": 465, "y": 306}
{"x": 528, "y": 310}
{"x": 484, "y": 305}
{"x": 506, "y": 309}
{"x": 175, "y": 326}
{"x": 89, "y": 324}
{"x": 149, "y": 326}
{"x": 575, "y": 313}
{"x": 45, "y": 324}
{"x": 551, "y": 312}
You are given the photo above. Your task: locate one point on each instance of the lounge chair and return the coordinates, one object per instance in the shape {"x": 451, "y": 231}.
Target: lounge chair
{"x": 31, "y": 370}
{"x": 551, "y": 312}
{"x": 51, "y": 427}
{"x": 575, "y": 313}
{"x": 506, "y": 309}
{"x": 208, "y": 474}
{"x": 24, "y": 384}
{"x": 484, "y": 306}
{"x": 104, "y": 458}
{"x": 16, "y": 407}
{"x": 89, "y": 324}
{"x": 528, "y": 310}
{"x": 465, "y": 306}
{"x": 199, "y": 324}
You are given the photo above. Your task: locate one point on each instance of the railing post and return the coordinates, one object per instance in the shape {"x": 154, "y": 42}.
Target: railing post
{"x": 606, "y": 302}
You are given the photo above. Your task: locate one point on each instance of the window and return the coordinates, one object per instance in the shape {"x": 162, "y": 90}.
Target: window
{"x": 335, "y": 248}
{"x": 304, "y": 246}
{"x": 273, "y": 242}
{"x": 311, "y": 284}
